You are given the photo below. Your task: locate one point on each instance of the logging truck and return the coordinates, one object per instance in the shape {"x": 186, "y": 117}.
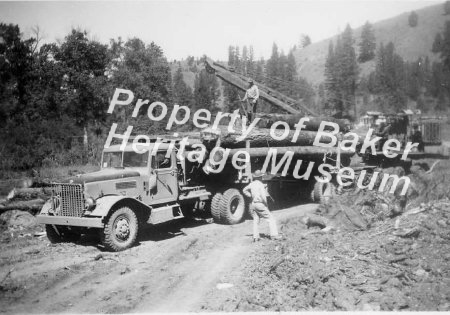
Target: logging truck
{"x": 132, "y": 189}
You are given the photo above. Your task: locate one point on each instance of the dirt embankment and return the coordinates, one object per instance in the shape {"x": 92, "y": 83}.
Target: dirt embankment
{"x": 380, "y": 252}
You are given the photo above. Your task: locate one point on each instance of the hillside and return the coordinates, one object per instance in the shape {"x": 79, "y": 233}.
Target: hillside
{"x": 410, "y": 43}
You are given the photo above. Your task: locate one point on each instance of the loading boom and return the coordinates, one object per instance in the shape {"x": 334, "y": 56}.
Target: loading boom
{"x": 270, "y": 95}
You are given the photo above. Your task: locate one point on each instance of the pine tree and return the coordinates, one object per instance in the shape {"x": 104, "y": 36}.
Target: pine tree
{"x": 206, "y": 91}
{"x": 447, "y": 8}
{"x": 231, "y": 56}
{"x": 237, "y": 59}
{"x": 182, "y": 94}
{"x": 259, "y": 71}
{"x": 251, "y": 62}
{"x": 273, "y": 68}
{"x": 347, "y": 73}
{"x": 367, "y": 44}
{"x": 244, "y": 60}
{"x": 331, "y": 84}
{"x": 445, "y": 47}
{"x": 437, "y": 44}
{"x": 390, "y": 76}
{"x": 305, "y": 41}
{"x": 413, "y": 19}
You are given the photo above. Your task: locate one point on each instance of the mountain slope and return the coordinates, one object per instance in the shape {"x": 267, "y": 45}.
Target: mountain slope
{"x": 410, "y": 42}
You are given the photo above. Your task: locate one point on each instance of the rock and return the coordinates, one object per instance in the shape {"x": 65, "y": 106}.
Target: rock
{"x": 371, "y": 307}
{"x": 125, "y": 270}
{"x": 442, "y": 223}
{"x": 98, "y": 257}
{"x": 17, "y": 218}
{"x": 420, "y": 272}
{"x": 395, "y": 282}
{"x": 222, "y": 286}
{"x": 413, "y": 232}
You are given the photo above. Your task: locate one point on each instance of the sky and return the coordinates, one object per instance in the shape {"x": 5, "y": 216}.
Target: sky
{"x": 195, "y": 28}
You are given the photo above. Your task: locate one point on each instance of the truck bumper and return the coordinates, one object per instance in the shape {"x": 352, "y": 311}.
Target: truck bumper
{"x": 72, "y": 221}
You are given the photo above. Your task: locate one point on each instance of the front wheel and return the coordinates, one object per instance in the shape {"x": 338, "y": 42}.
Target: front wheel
{"x": 121, "y": 230}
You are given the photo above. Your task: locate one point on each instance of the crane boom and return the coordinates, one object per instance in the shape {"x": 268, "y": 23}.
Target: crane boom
{"x": 270, "y": 95}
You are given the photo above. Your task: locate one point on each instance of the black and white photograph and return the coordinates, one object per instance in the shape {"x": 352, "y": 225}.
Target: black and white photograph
{"x": 224, "y": 156}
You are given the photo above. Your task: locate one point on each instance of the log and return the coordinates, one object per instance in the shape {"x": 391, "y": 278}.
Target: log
{"x": 29, "y": 193}
{"x": 29, "y": 205}
{"x": 305, "y": 152}
{"x": 267, "y": 120}
{"x": 258, "y": 137}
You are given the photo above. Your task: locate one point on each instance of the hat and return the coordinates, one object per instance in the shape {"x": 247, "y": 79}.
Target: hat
{"x": 257, "y": 174}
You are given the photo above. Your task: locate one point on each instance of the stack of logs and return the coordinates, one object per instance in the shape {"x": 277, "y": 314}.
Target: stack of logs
{"x": 26, "y": 199}
{"x": 261, "y": 140}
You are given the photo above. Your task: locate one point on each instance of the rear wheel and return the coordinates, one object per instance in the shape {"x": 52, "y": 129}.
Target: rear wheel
{"x": 232, "y": 207}
{"x": 323, "y": 192}
{"x": 121, "y": 230}
{"x": 215, "y": 206}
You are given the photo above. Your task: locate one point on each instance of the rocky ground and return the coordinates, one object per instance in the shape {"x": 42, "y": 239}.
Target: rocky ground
{"x": 389, "y": 260}
{"x": 379, "y": 252}
{"x": 384, "y": 268}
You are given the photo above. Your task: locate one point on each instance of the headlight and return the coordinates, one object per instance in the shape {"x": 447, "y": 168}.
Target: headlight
{"x": 89, "y": 202}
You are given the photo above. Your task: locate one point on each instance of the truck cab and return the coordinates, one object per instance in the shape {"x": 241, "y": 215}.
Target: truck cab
{"x": 130, "y": 189}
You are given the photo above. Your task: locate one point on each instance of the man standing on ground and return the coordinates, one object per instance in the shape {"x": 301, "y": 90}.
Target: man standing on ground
{"x": 258, "y": 208}
{"x": 384, "y": 131}
{"x": 251, "y": 96}
{"x": 416, "y": 137}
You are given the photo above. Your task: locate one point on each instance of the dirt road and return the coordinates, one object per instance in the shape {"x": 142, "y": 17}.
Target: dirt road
{"x": 172, "y": 268}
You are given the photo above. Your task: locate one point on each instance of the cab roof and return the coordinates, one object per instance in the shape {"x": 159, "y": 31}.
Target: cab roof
{"x": 139, "y": 146}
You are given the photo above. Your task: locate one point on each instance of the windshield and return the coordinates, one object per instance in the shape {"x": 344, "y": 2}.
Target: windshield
{"x": 130, "y": 159}
{"x": 112, "y": 159}
{"x": 133, "y": 159}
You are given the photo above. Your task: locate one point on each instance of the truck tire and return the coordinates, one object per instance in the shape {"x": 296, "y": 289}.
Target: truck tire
{"x": 232, "y": 207}
{"x": 121, "y": 230}
{"x": 323, "y": 192}
{"x": 60, "y": 236}
{"x": 215, "y": 207}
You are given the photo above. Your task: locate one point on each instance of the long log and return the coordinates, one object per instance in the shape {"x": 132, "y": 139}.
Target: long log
{"x": 267, "y": 120}
{"x": 29, "y": 193}
{"x": 305, "y": 152}
{"x": 258, "y": 137}
{"x": 35, "y": 204}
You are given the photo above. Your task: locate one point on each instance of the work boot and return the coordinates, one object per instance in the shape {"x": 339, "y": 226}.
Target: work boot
{"x": 255, "y": 239}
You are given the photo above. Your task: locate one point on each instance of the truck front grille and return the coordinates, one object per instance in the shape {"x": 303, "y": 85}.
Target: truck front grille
{"x": 69, "y": 198}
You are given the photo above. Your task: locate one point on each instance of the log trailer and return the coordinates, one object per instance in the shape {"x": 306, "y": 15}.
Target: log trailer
{"x": 132, "y": 189}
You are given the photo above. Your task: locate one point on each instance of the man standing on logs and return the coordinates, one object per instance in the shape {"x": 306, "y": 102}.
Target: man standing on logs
{"x": 258, "y": 208}
{"x": 251, "y": 96}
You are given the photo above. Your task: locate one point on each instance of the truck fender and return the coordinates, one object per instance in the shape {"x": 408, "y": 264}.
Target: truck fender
{"x": 106, "y": 203}
{"x": 46, "y": 207}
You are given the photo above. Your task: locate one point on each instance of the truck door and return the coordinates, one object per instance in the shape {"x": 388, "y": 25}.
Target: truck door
{"x": 166, "y": 173}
